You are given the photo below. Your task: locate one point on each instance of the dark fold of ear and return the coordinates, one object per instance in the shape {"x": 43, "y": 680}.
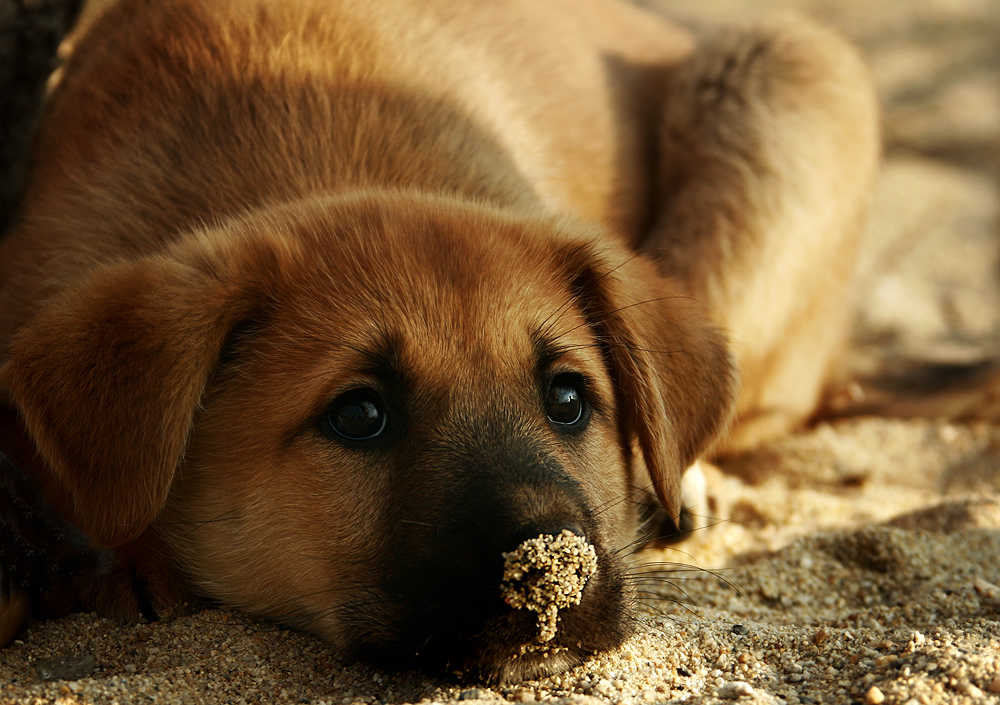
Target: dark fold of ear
{"x": 672, "y": 369}
{"x": 108, "y": 376}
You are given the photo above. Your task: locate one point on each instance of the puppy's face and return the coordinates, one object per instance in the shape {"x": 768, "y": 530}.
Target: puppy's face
{"x": 341, "y": 414}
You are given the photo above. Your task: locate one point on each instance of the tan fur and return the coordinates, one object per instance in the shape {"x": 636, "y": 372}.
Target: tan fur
{"x": 288, "y": 186}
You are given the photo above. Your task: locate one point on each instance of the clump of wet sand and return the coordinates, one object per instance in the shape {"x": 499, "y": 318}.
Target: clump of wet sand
{"x": 548, "y": 573}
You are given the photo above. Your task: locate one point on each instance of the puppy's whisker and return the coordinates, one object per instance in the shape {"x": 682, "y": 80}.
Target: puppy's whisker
{"x": 714, "y": 573}
{"x": 651, "y": 598}
{"x": 612, "y": 503}
{"x": 607, "y": 315}
{"x": 662, "y": 579}
{"x": 687, "y": 607}
{"x": 634, "y": 546}
{"x": 650, "y": 609}
{"x": 675, "y": 550}
{"x": 651, "y": 538}
{"x": 549, "y": 323}
{"x": 582, "y": 250}
{"x": 622, "y": 346}
{"x": 655, "y": 568}
{"x": 556, "y": 316}
{"x": 670, "y": 583}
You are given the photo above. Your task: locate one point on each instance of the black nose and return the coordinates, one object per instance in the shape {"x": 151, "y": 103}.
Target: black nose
{"x": 502, "y": 505}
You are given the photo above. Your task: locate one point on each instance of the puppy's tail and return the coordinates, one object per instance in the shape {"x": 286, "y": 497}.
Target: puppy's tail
{"x": 907, "y": 388}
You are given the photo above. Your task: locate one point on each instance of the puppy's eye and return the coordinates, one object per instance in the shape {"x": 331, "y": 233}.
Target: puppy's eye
{"x": 357, "y": 416}
{"x": 564, "y": 403}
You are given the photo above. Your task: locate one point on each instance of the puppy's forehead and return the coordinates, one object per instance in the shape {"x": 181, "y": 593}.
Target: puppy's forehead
{"x": 440, "y": 287}
{"x": 462, "y": 301}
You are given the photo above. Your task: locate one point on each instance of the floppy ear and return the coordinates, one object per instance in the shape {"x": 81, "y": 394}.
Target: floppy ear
{"x": 672, "y": 370}
{"x": 107, "y": 377}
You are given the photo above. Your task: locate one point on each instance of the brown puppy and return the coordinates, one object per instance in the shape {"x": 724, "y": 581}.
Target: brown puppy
{"x": 318, "y": 308}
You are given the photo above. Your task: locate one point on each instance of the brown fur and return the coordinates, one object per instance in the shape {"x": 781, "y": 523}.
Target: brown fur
{"x": 239, "y": 210}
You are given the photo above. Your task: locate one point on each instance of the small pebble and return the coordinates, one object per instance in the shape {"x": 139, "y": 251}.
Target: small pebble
{"x": 69, "y": 667}
{"x": 986, "y": 588}
{"x": 735, "y": 689}
{"x": 739, "y": 630}
{"x": 972, "y": 691}
{"x": 874, "y": 696}
{"x": 604, "y": 687}
{"x": 994, "y": 686}
{"x": 471, "y": 694}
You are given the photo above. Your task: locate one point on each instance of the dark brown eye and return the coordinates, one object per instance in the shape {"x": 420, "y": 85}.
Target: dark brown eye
{"x": 564, "y": 403}
{"x": 357, "y": 416}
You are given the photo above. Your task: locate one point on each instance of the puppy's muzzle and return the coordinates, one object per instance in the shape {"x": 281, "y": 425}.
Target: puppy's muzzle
{"x": 450, "y": 595}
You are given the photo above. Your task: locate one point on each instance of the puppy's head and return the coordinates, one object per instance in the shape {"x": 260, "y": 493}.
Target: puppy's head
{"x": 340, "y": 414}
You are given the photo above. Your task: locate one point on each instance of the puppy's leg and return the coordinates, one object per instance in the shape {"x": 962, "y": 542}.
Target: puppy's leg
{"x": 768, "y": 147}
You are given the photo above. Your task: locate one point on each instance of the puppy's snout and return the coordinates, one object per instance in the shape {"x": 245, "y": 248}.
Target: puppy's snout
{"x": 504, "y": 570}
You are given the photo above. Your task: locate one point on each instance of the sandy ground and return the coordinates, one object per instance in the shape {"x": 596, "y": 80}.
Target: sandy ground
{"x": 855, "y": 562}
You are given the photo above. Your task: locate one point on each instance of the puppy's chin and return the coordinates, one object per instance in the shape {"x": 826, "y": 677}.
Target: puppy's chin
{"x": 499, "y": 667}
{"x": 502, "y": 664}
{"x": 534, "y": 663}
